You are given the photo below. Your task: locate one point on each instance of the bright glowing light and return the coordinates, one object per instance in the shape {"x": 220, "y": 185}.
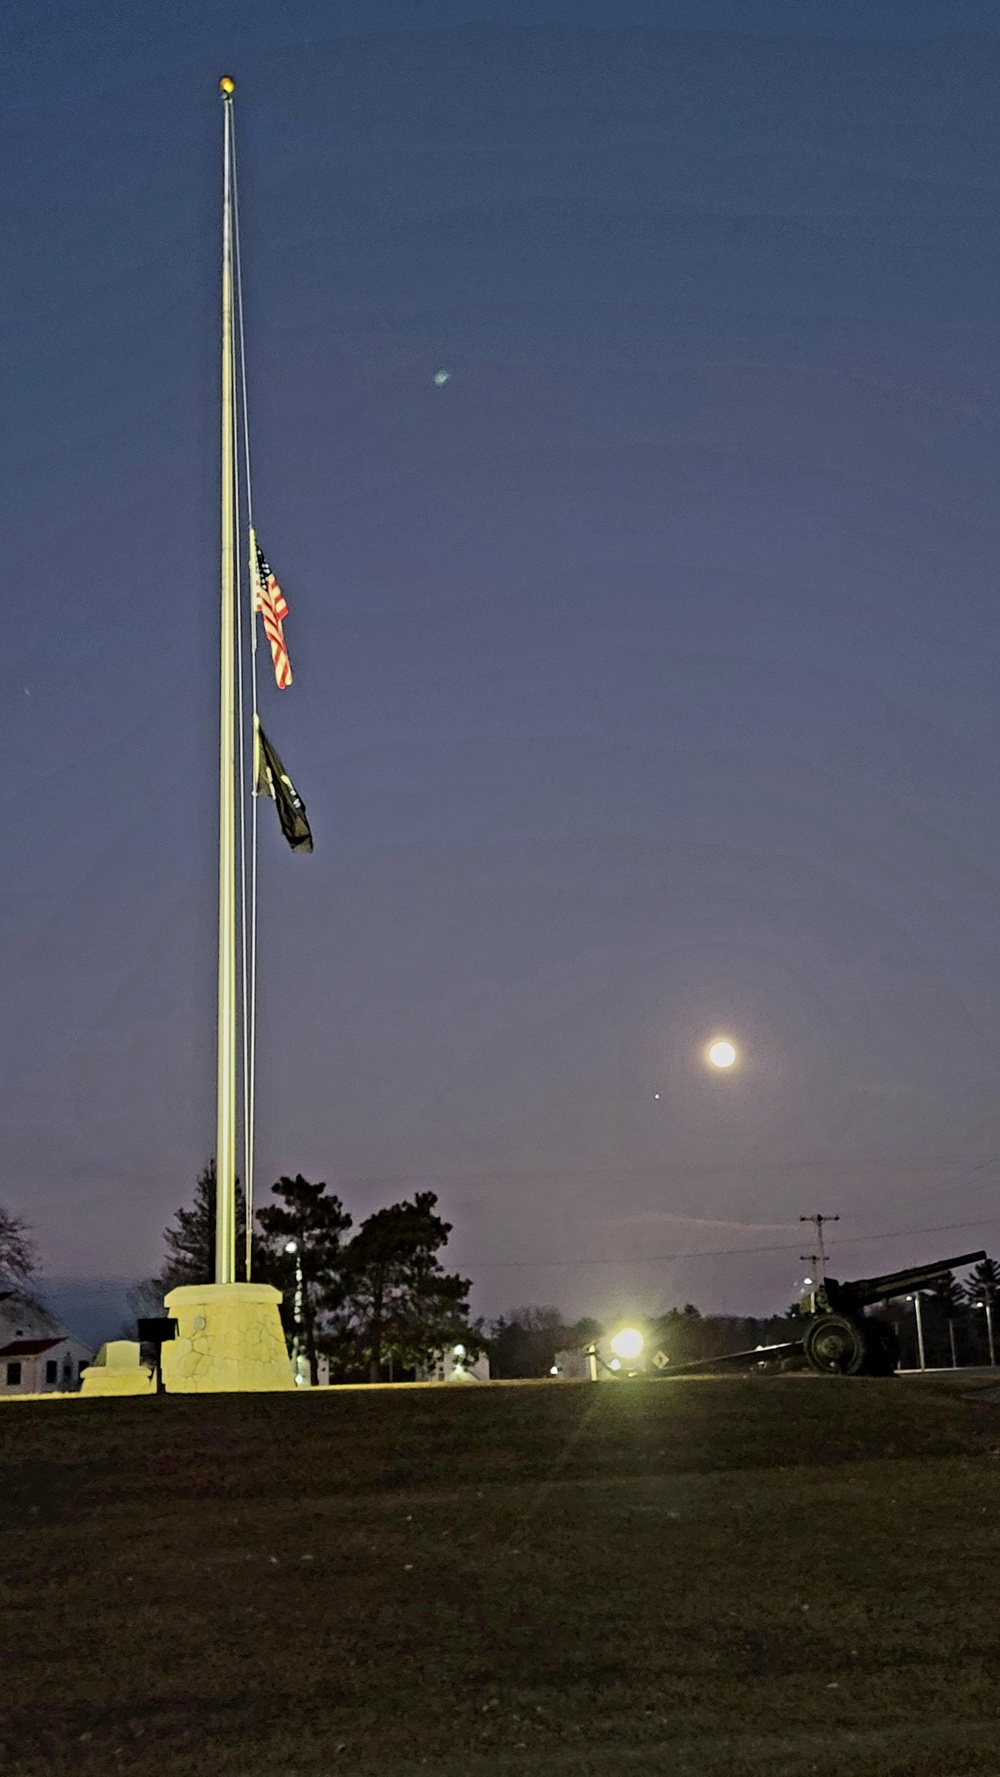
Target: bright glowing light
{"x": 458, "y": 1351}
{"x": 615, "y": 1364}
{"x": 722, "y": 1054}
{"x": 628, "y": 1343}
{"x": 441, "y": 377}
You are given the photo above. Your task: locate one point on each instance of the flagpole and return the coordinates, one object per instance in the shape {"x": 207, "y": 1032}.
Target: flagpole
{"x": 225, "y": 1144}
{"x": 228, "y": 1336}
{"x": 248, "y": 912}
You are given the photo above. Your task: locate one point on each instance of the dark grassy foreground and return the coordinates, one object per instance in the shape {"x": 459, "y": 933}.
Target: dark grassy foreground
{"x": 775, "y": 1576}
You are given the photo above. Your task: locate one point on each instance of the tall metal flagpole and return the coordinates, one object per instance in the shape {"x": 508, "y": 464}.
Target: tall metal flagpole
{"x": 225, "y": 1144}
{"x": 228, "y": 1336}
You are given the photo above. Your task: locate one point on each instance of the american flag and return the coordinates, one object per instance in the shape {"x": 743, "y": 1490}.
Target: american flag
{"x": 271, "y": 603}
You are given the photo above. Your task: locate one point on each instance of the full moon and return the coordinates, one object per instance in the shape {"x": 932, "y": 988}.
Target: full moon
{"x": 722, "y": 1054}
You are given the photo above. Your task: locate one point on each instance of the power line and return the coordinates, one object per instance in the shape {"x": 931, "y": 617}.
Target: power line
{"x": 727, "y": 1252}
{"x": 724, "y": 1252}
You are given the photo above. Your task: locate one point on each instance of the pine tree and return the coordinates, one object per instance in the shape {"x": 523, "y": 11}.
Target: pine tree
{"x": 307, "y": 1214}
{"x": 948, "y": 1298}
{"x": 190, "y": 1240}
{"x": 398, "y": 1303}
{"x": 982, "y": 1291}
{"x": 983, "y": 1282}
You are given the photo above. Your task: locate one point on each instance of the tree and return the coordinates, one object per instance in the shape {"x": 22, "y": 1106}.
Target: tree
{"x": 983, "y": 1283}
{"x": 524, "y": 1341}
{"x": 18, "y": 1254}
{"x": 190, "y": 1241}
{"x": 190, "y": 1244}
{"x": 398, "y": 1302}
{"x": 316, "y": 1221}
{"x": 947, "y": 1302}
{"x": 982, "y": 1290}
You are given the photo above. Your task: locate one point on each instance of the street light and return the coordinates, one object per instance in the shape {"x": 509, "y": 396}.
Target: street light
{"x": 987, "y": 1305}
{"x": 915, "y": 1299}
{"x": 300, "y": 1362}
{"x": 628, "y": 1343}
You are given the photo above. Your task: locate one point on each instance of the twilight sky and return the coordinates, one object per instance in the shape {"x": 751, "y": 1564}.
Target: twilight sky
{"x": 645, "y": 669}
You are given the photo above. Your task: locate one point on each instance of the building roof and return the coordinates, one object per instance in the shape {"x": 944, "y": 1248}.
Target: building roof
{"x": 27, "y": 1347}
{"x": 23, "y": 1317}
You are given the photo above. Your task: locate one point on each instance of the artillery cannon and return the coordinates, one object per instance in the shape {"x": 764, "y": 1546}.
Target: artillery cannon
{"x": 839, "y": 1339}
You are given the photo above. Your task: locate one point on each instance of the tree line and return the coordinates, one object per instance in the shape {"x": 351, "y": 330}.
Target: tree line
{"x": 526, "y": 1341}
{"x": 376, "y": 1303}
{"x": 956, "y": 1318}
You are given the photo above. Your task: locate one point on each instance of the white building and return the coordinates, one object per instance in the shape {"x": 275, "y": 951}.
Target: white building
{"x": 455, "y": 1365}
{"x": 38, "y": 1355}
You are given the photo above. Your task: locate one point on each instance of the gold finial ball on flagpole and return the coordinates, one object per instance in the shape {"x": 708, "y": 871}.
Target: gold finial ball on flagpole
{"x": 227, "y": 87}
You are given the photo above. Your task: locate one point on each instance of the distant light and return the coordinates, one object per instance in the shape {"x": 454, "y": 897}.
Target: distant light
{"x": 554, "y": 1370}
{"x": 807, "y": 1282}
{"x": 291, "y": 1246}
{"x": 441, "y": 377}
{"x": 628, "y": 1343}
{"x": 656, "y": 1095}
{"x": 614, "y": 1364}
{"x": 722, "y": 1054}
{"x": 458, "y": 1351}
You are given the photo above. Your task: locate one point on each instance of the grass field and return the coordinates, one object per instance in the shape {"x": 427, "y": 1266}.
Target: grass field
{"x": 785, "y": 1576}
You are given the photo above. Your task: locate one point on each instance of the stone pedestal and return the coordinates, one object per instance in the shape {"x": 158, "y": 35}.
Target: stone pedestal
{"x": 116, "y": 1370}
{"x": 229, "y": 1340}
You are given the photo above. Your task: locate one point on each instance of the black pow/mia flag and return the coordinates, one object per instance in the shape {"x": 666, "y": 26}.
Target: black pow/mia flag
{"x": 273, "y": 780}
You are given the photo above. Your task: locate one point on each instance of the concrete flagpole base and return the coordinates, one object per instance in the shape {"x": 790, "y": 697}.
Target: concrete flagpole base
{"x": 229, "y": 1340}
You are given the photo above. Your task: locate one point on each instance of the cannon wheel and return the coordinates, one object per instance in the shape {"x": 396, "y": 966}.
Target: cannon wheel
{"x": 834, "y": 1345}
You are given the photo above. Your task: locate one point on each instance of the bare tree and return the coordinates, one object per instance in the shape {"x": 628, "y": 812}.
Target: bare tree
{"x": 18, "y": 1253}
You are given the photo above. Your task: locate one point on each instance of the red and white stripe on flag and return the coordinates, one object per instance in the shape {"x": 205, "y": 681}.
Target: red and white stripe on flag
{"x": 270, "y": 601}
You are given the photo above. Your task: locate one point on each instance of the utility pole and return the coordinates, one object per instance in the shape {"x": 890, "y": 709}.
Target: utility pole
{"x": 819, "y": 1258}
{"x": 988, "y": 1305}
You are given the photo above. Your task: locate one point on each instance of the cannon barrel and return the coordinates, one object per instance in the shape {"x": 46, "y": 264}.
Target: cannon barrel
{"x": 864, "y": 1290}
